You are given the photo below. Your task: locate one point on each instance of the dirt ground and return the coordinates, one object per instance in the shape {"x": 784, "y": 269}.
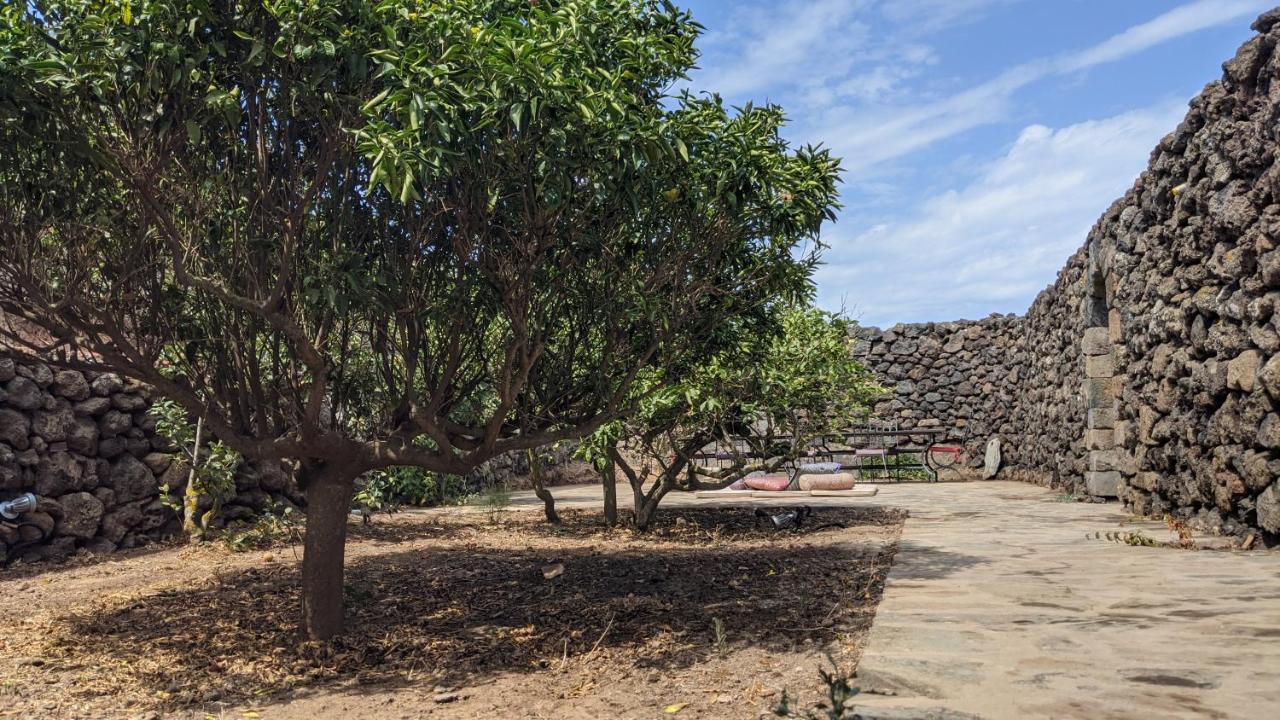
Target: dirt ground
{"x": 457, "y": 615}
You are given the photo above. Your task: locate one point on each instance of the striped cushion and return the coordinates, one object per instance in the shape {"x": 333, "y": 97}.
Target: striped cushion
{"x": 822, "y": 467}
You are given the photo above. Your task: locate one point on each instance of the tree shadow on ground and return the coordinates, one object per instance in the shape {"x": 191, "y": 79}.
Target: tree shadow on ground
{"x": 461, "y": 611}
{"x": 926, "y": 562}
{"x": 52, "y": 567}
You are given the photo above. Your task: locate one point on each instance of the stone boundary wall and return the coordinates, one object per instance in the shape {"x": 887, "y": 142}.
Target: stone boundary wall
{"x": 1150, "y": 371}
{"x": 1016, "y": 378}
{"x": 1189, "y": 262}
{"x": 85, "y": 444}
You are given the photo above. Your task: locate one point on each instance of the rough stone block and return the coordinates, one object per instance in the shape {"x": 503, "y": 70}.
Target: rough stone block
{"x": 1269, "y": 509}
{"x": 1242, "y": 372}
{"x": 1146, "y": 480}
{"x": 1099, "y": 366}
{"x": 1096, "y": 341}
{"x": 1102, "y": 417}
{"x": 1115, "y": 328}
{"x": 81, "y": 513}
{"x": 1103, "y": 484}
{"x": 1104, "y": 460}
{"x": 1100, "y": 439}
{"x": 1125, "y": 433}
{"x": 1270, "y": 377}
{"x": 1269, "y": 431}
{"x": 1098, "y": 393}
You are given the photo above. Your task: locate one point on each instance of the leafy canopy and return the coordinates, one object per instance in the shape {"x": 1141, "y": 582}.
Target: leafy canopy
{"x": 777, "y": 390}
{"x": 388, "y": 233}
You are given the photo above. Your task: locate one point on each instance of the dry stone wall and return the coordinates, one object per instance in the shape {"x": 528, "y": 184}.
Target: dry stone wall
{"x": 86, "y": 446}
{"x": 1016, "y": 378}
{"x": 1190, "y": 264}
{"x": 1150, "y": 371}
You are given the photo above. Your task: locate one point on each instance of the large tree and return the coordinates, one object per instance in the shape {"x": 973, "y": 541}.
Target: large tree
{"x": 352, "y": 235}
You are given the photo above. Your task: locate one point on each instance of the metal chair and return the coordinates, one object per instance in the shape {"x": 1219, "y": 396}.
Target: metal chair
{"x": 878, "y": 446}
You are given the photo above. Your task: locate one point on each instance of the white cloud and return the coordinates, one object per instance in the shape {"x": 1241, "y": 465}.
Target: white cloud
{"x": 865, "y": 138}
{"x": 925, "y": 16}
{"x": 794, "y": 43}
{"x": 992, "y": 244}
{"x": 818, "y": 52}
{"x": 1175, "y": 23}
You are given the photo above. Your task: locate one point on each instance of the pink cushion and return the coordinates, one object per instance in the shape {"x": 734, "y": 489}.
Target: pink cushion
{"x": 827, "y": 481}
{"x": 769, "y": 482}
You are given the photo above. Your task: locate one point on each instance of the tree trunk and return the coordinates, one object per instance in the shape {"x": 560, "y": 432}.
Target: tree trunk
{"x": 609, "y": 478}
{"x": 692, "y": 474}
{"x": 191, "y": 496}
{"x": 645, "y": 510}
{"x": 329, "y": 491}
{"x": 548, "y": 500}
{"x": 440, "y": 488}
{"x": 647, "y": 504}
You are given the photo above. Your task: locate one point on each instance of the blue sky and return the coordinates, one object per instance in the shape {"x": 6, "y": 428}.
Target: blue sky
{"x": 981, "y": 138}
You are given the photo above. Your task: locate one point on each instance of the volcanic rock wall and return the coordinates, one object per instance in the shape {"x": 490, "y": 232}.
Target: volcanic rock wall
{"x": 1190, "y": 262}
{"x": 1150, "y": 371}
{"x": 87, "y": 447}
{"x": 1018, "y": 378}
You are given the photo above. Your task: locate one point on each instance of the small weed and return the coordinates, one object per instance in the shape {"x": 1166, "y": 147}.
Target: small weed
{"x": 1135, "y": 538}
{"x": 495, "y": 500}
{"x": 1068, "y": 498}
{"x": 1186, "y": 540}
{"x": 839, "y": 695}
{"x": 272, "y": 527}
{"x": 718, "y": 626}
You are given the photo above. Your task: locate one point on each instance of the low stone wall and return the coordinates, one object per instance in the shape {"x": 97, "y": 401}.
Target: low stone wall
{"x": 87, "y": 447}
{"x": 511, "y": 470}
{"x": 1150, "y": 371}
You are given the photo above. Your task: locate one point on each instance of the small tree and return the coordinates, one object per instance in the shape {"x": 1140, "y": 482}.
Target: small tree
{"x": 779, "y": 388}
{"x": 211, "y": 467}
{"x": 384, "y": 234}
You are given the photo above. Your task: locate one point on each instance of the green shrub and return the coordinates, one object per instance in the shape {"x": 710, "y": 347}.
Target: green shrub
{"x": 395, "y": 487}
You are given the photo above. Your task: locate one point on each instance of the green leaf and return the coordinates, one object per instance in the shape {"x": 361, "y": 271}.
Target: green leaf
{"x": 377, "y": 99}
{"x": 406, "y": 188}
{"x": 193, "y": 132}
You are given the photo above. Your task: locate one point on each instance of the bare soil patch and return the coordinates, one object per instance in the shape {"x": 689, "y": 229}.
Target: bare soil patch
{"x": 453, "y": 615}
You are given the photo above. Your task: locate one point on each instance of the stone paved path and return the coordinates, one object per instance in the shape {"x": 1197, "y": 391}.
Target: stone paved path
{"x": 998, "y": 606}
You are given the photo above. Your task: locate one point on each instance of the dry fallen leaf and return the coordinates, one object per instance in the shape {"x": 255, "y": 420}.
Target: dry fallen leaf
{"x": 230, "y": 631}
{"x": 674, "y": 708}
